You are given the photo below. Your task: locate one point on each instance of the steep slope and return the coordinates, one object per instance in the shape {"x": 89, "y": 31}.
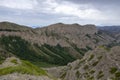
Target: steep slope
{"x": 99, "y": 64}
{"x": 66, "y": 35}
{"x": 55, "y": 44}
{"x": 15, "y": 69}
{"x": 113, "y": 31}
{"x": 35, "y": 53}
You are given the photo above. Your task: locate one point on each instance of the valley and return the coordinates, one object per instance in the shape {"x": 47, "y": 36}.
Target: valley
{"x": 59, "y": 52}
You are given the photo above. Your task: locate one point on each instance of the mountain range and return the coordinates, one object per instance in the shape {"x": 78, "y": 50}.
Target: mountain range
{"x": 59, "y": 51}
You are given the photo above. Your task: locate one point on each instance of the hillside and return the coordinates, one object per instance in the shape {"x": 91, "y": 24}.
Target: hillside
{"x": 90, "y": 53}
{"x": 55, "y": 44}
{"x": 100, "y": 64}
{"x": 15, "y": 69}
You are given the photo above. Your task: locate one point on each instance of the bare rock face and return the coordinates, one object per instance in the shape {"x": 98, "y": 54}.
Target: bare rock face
{"x": 67, "y": 34}
{"x": 99, "y": 64}
{"x": 63, "y": 34}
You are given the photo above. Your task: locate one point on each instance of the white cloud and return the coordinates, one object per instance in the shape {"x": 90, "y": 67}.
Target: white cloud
{"x": 18, "y": 4}
{"x": 85, "y": 11}
{"x": 82, "y": 11}
{"x": 61, "y": 11}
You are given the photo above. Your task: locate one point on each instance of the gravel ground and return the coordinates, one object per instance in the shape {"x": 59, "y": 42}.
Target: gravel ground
{"x": 16, "y": 76}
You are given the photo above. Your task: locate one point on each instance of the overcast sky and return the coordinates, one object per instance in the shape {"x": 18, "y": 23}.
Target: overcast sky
{"x": 45, "y": 12}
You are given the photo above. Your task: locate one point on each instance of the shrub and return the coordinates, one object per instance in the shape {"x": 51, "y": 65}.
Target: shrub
{"x": 92, "y": 71}
{"x": 100, "y": 57}
{"x": 95, "y": 63}
{"x": 113, "y": 70}
{"x": 88, "y": 35}
{"x": 78, "y": 74}
{"x": 100, "y": 75}
{"x": 91, "y": 78}
{"x": 86, "y": 67}
{"x": 117, "y": 74}
{"x": 91, "y": 57}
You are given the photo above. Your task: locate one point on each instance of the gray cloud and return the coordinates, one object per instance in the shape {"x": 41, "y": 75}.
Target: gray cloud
{"x": 39, "y": 12}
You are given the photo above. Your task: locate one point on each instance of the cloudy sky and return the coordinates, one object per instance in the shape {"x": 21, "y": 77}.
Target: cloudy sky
{"x": 44, "y": 12}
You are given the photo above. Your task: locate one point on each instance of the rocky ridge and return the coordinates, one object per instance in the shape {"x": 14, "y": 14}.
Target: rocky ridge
{"x": 99, "y": 64}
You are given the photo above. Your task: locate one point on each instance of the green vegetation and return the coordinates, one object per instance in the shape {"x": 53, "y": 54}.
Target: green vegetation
{"x": 82, "y": 51}
{"x": 100, "y": 75}
{"x": 63, "y": 75}
{"x": 91, "y": 78}
{"x": 92, "y": 72}
{"x": 18, "y": 47}
{"x": 49, "y": 55}
{"x": 85, "y": 67}
{"x": 59, "y": 54}
{"x": 96, "y": 40}
{"x": 88, "y": 35}
{"x": 95, "y": 63}
{"x": 91, "y": 57}
{"x": 14, "y": 61}
{"x": 44, "y": 64}
{"x": 1, "y": 62}
{"x": 100, "y": 57}
{"x": 25, "y": 68}
{"x": 113, "y": 70}
{"x": 117, "y": 74}
{"x": 78, "y": 74}
{"x": 105, "y": 48}
{"x": 1, "y": 59}
{"x": 116, "y": 77}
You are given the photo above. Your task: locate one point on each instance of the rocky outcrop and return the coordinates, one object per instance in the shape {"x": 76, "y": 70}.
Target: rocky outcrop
{"x": 99, "y": 64}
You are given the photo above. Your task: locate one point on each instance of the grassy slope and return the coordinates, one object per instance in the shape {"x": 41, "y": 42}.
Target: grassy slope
{"x": 24, "y": 68}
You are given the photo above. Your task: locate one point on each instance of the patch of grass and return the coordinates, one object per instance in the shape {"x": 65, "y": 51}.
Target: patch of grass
{"x": 100, "y": 75}
{"x": 113, "y": 70}
{"x": 92, "y": 72}
{"x": 91, "y": 57}
{"x": 77, "y": 74}
{"x": 105, "y": 48}
{"x": 95, "y": 63}
{"x": 85, "y": 67}
{"x": 1, "y": 61}
{"x": 14, "y": 61}
{"x": 25, "y": 68}
{"x": 100, "y": 57}
{"x": 91, "y": 78}
{"x": 44, "y": 64}
{"x": 63, "y": 75}
{"x": 117, "y": 74}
